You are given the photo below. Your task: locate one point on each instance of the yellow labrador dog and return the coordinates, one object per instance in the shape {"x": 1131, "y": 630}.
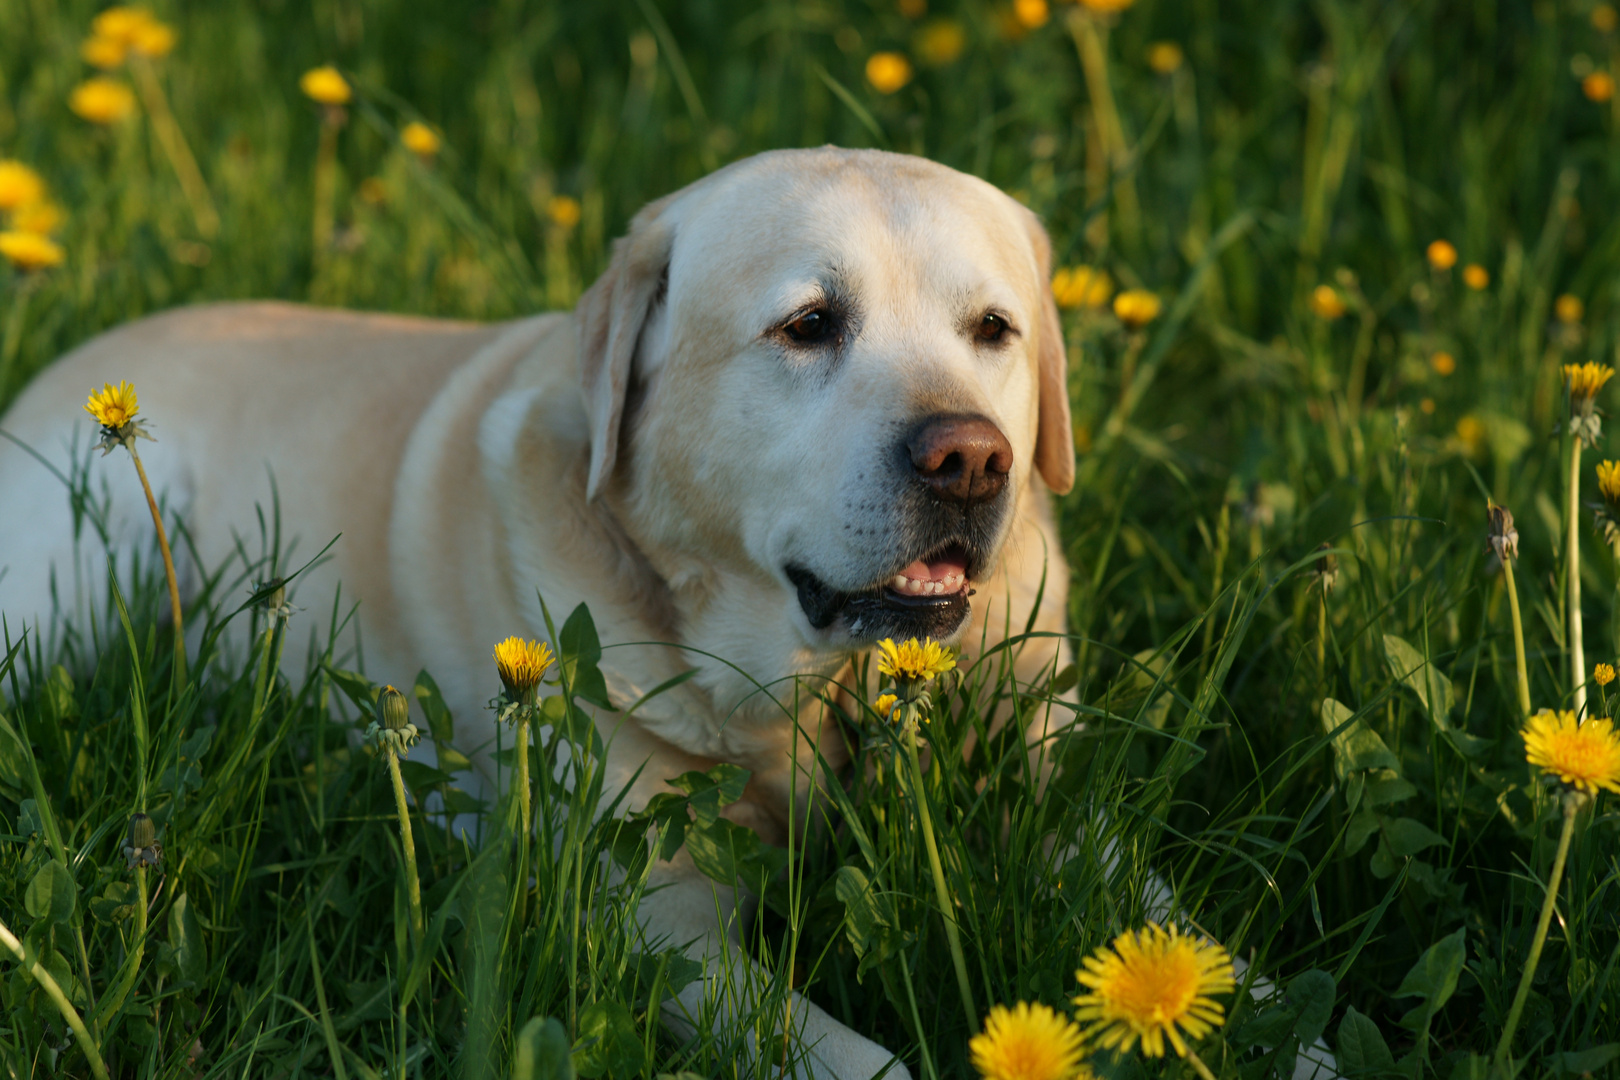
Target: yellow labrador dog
{"x": 818, "y": 399}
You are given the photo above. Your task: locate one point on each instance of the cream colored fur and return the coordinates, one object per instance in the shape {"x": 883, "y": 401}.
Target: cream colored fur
{"x": 652, "y": 454}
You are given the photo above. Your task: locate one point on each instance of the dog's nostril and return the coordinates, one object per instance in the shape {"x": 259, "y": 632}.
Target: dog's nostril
{"x": 961, "y": 458}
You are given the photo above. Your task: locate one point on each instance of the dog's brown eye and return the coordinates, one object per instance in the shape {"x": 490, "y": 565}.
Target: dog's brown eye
{"x": 811, "y": 327}
{"x": 990, "y": 328}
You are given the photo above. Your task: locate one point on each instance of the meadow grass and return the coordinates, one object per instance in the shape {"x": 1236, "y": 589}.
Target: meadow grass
{"x": 1330, "y": 781}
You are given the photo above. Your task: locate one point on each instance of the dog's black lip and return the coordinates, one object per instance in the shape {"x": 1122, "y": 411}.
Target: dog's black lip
{"x": 822, "y": 604}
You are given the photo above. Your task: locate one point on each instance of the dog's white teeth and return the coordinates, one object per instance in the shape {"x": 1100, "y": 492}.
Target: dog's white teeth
{"x": 900, "y": 581}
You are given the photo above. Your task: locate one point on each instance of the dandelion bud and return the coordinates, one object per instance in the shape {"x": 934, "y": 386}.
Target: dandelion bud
{"x": 142, "y": 847}
{"x": 393, "y": 710}
{"x": 1503, "y": 537}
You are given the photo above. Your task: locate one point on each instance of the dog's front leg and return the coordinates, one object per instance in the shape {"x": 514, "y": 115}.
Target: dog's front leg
{"x": 683, "y": 908}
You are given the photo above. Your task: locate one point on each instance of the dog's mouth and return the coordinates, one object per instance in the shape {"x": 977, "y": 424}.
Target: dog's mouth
{"x": 928, "y": 597}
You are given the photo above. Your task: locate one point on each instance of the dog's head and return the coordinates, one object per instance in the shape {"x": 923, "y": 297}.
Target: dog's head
{"x": 818, "y": 384}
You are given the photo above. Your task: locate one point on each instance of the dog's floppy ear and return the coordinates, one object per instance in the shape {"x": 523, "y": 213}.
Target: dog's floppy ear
{"x": 610, "y": 316}
{"x": 1054, "y": 435}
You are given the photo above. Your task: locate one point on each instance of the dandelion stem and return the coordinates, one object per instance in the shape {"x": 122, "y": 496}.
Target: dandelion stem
{"x": 114, "y": 1000}
{"x": 1518, "y": 639}
{"x": 1572, "y": 805}
{"x": 1577, "y": 648}
{"x": 1198, "y": 1064}
{"x": 413, "y": 886}
{"x": 522, "y": 783}
{"x": 941, "y": 892}
{"x": 168, "y": 569}
{"x": 1321, "y": 634}
{"x": 174, "y": 145}
{"x": 54, "y": 991}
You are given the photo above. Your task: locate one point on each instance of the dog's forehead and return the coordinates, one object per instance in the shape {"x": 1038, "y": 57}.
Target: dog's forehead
{"x": 802, "y": 215}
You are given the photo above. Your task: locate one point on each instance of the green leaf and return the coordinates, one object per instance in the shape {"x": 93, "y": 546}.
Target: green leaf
{"x": 1585, "y": 1061}
{"x": 1362, "y": 827}
{"x": 542, "y": 1052}
{"x": 1434, "y": 979}
{"x": 1355, "y": 746}
{"x": 185, "y": 938}
{"x": 1361, "y": 1046}
{"x": 1471, "y": 1067}
{"x": 51, "y": 894}
{"x": 1311, "y": 993}
{"x": 357, "y": 688}
{"x": 580, "y": 651}
{"x": 609, "y": 1044}
{"x": 726, "y": 852}
{"x": 708, "y": 791}
{"x": 1385, "y": 787}
{"x": 1422, "y": 678}
{"x": 116, "y": 902}
{"x": 1408, "y": 836}
{"x": 419, "y": 777}
{"x": 440, "y": 723}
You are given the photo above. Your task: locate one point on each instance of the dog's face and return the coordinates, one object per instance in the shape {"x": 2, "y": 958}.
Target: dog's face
{"x": 820, "y": 382}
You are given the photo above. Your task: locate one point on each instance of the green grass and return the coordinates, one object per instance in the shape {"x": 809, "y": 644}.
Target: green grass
{"x": 1300, "y": 145}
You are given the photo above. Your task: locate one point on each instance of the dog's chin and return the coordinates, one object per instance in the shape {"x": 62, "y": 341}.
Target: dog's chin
{"x": 898, "y": 607}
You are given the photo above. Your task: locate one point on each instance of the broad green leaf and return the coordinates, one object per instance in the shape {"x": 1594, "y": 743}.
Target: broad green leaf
{"x": 1407, "y": 836}
{"x": 1422, "y": 678}
{"x": 1356, "y": 746}
{"x": 709, "y": 791}
{"x": 580, "y": 651}
{"x": 1361, "y": 1046}
{"x": 1471, "y": 1067}
{"x": 864, "y": 911}
{"x": 1586, "y": 1061}
{"x": 542, "y": 1052}
{"x": 1385, "y": 786}
{"x": 185, "y": 939}
{"x": 439, "y": 720}
{"x": 419, "y": 777}
{"x": 51, "y": 894}
{"x": 608, "y": 1044}
{"x": 357, "y": 688}
{"x": 1311, "y": 993}
{"x": 1362, "y": 827}
{"x": 116, "y": 902}
{"x": 1434, "y": 979}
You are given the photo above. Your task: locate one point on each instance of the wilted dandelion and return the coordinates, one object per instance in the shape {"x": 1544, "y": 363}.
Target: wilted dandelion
{"x": 1443, "y": 363}
{"x": 141, "y": 847}
{"x": 393, "y": 734}
{"x": 1028, "y": 1042}
{"x": 101, "y": 100}
{"x": 1598, "y": 86}
{"x": 419, "y": 139}
{"x": 1031, "y": 14}
{"x": 1476, "y": 277}
{"x": 1136, "y": 308}
{"x": 30, "y": 251}
{"x": 940, "y": 42}
{"x": 1442, "y": 255}
{"x": 887, "y": 71}
{"x": 1326, "y": 303}
{"x": 1151, "y": 986}
{"x": 1165, "y": 57}
{"x": 1081, "y": 287}
{"x": 326, "y": 86}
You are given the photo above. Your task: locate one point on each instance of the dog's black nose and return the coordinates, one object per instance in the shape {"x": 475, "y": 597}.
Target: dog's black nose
{"x": 962, "y": 459}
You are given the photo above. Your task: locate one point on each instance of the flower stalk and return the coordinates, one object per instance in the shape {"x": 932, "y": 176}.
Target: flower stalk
{"x": 173, "y": 141}
{"x": 521, "y": 665}
{"x": 395, "y": 735}
{"x": 53, "y": 990}
{"x": 1503, "y": 539}
{"x": 1585, "y": 429}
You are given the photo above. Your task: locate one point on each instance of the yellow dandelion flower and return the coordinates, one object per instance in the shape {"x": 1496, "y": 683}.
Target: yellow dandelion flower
{"x": 887, "y": 71}
{"x": 1476, "y": 277}
{"x": 1443, "y": 363}
{"x": 1598, "y": 86}
{"x": 1326, "y": 303}
{"x": 563, "y": 210}
{"x": 153, "y": 40}
{"x": 884, "y": 705}
{"x": 1603, "y": 674}
{"x": 1604, "y": 19}
{"x": 19, "y": 185}
{"x": 1426, "y": 406}
{"x": 113, "y": 406}
{"x": 1568, "y": 308}
{"x": 1081, "y": 287}
{"x": 1442, "y": 255}
{"x": 522, "y": 664}
{"x": 1165, "y": 57}
{"x": 325, "y": 85}
{"x": 1584, "y": 756}
{"x": 941, "y": 42}
{"x": 1153, "y": 985}
{"x": 1031, "y": 14}
{"x": 1028, "y": 1042}
{"x": 419, "y": 139}
{"x": 1585, "y": 380}
{"x": 120, "y": 23}
{"x": 1137, "y": 307}
{"x": 103, "y": 52}
{"x": 1609, "y": 481}
{"x": 913, "y": 659}
{"x": 29, "y": 250}
{"x": 41, "y": 218}
{"x": 1106, "y": 7}
{"x": 102, "y": 100}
